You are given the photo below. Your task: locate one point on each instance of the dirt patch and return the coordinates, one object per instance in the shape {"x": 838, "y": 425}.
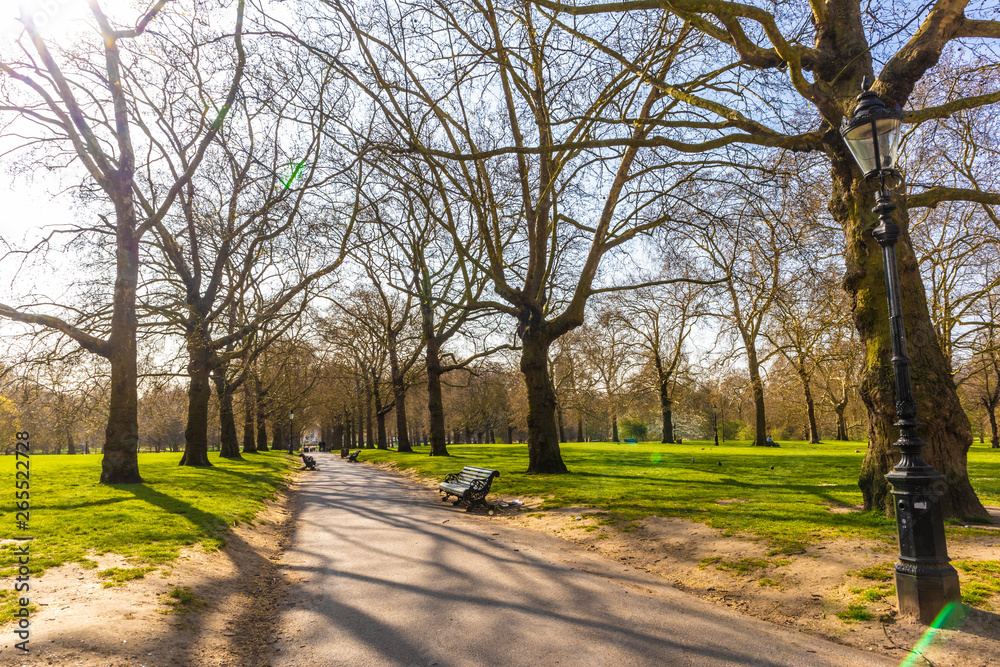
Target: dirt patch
{"x": 221, "y": 614}
{"x": 804, "y": 590}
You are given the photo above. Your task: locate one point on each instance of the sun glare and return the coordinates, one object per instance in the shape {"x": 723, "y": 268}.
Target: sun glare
{"x": 55, "y": 17}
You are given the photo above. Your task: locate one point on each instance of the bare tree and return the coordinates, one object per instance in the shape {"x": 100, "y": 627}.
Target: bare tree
{"x": 819, "y": 53}
{"x": 94, "y": 105}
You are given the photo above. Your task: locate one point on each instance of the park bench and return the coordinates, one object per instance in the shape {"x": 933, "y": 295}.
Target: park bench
{"x": 308, "y": 461}
{"x": 353, "y": 458}
{"x": 631, "y": 441}
{"x": 472, "y": 485}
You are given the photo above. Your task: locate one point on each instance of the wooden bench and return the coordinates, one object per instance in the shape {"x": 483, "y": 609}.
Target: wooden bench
{"x": 472, "y": 485}
{"x": 308, "y": 462}
{"x": 353, "y": 458}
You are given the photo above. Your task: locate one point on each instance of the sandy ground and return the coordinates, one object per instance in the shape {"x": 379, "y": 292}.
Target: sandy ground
{"x": 80, "y": 622}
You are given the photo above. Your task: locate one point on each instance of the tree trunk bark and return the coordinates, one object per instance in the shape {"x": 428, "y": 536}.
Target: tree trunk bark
{"x": 840, "y": 408}
{"x": 120, "y": 460}
{"x": 230, "y": 446}
{"x": 403, "y": 436}
{"x": 249, "y": 443}
{"x": 261, "y": 431}
{"x": 435, "y": 399}
{"x": 945, "y": 426}
{"x": 369, "y": 419}
{"x": 543, "y": 437}
{"x": 757, "y": 386}
{"x": 399, "y": 397}
{"x": 994, "y": 439}
{"x": 666, "y": 409}
{"x": 277, "y": 436}
{"x": 382, "y": 442}
{"x": 812, "y": 430}
{"x": 199, "y": 394}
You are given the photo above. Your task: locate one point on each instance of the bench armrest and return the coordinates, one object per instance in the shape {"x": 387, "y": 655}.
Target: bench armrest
{"x": 451, "y": 477}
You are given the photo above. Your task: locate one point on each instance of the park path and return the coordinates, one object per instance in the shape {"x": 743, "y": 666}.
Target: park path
{"x": 383, "y": 573}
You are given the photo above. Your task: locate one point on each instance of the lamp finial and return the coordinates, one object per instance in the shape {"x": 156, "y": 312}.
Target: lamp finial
{"x": 866, "y": 83}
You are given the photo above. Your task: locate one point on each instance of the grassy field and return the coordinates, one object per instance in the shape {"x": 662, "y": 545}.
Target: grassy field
{"x": 73, "y": 516}
{"x": 785, "y": 492}
{"x": 785, "y": 495}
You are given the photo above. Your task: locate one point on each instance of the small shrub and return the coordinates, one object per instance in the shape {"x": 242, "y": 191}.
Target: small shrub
{"x": 631, "y": 427}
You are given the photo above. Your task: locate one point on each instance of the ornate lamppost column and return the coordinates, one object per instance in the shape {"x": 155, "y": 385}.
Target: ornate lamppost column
{"x": 291, "y": 431}
{"x": 925, "y": 579}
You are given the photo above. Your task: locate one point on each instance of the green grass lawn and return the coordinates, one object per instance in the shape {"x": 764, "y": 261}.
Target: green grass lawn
{"x": 787, "y": 505}
{"x": 72, "y": 515}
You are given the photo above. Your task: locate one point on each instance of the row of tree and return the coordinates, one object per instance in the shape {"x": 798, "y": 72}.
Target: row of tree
{"x": 503, "y": 167}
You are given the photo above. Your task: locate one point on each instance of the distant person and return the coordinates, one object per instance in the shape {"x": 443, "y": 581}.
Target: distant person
{"x": 322, "y": 445}
{"x": 769, "y": 442}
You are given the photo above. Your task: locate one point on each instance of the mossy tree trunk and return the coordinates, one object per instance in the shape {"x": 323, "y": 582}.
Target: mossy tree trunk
{"x": 543, "y": 436}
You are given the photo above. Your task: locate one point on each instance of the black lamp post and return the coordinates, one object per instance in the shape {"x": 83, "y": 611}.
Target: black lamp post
{"x": 291, "y": 431}
{"x": 925, "y": 579}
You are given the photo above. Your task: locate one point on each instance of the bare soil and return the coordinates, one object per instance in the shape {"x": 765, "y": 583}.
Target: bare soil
{"x": 232, "y": 619}
{"x": 229, "y": 622}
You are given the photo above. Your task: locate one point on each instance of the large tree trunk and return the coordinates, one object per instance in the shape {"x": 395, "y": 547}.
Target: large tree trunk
{"x": 812, "y": 432}
{"x": 435, "y": 402}
{"x": 666, "y": 408}
{"x": 249, "y": 443}
{"x": 369, "y": 420}
{"x": 757, "y": 386}
{"x": 382, "y": 442}
{"x": 614, "y": 427}
{"x": 840, "y": 408}
{"x": 230, "y": 446}
{"x": 120, "y": 462}
{"x": 199, "y": 394}
{"x": 945, "y": 426}
{"x": 543, "y": 436}
{"x": 261, "y": 431}
{"x": 399, "y": 397}
{"x": 277, "y": 436}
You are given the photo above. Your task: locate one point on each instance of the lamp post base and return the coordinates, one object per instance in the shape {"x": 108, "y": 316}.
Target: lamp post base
{"x": 923, "y": 596}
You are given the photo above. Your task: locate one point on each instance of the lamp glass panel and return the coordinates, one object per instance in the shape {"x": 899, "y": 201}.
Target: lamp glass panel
{"x": 889, "y": 133}
{"x": 859, "y": 140}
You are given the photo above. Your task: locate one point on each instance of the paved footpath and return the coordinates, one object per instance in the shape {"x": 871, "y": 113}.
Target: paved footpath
{"x": 386, "y": 574}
